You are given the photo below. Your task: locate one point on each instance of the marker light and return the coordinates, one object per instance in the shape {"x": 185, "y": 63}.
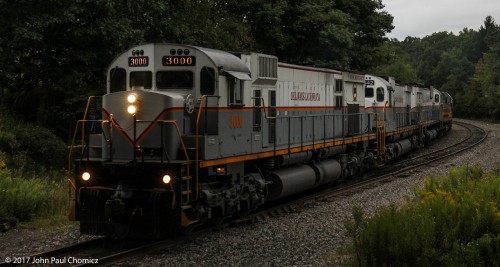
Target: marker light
{"x": 131, "y": 98}
{"x": 86, "y": 176}
{"x": 131, "y": 109}
{"x": 220, "y": 170}
{"x": 166, "y": 179}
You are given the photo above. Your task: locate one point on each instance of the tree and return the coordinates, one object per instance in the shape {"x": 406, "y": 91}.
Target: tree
{"x": 340, "y": 34}
{"x": 394, "y": 64}
{"x": 59, "y": 54}
{"x": 480, "y": 98}
{"x": 486, "y": 85}
{"x": 54, "y": 53}
{"x": 370, "y": 24}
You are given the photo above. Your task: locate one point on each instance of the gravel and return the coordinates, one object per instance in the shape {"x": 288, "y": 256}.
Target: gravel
{"x": 311, "y": 237}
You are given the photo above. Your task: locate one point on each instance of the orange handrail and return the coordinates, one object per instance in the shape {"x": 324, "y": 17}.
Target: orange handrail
{"x": 73, "y": 142}
{"x": 197, "y": 156}
{"x": 188, "y": 161}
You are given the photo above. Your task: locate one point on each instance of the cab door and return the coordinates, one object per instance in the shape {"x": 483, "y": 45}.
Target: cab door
{"x": 257, "y": 120}
{"x": 269, "y": 125}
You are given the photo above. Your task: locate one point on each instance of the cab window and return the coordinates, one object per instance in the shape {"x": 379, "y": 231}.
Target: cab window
{"x": 117, "y": 80}
{"x": 235, "y": 90}
{"x": 141, "y": 79}
{"x": 436, "y": 99}
{"x": 380, "y": 94}
{"x": 369, "y": 92}
{"x": 174, "y": 80}
{"x": 207, "y": 81}
{"x": 339, "y": 85}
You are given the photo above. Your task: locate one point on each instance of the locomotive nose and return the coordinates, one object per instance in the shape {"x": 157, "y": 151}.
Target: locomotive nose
{"x": 137, "y": 119}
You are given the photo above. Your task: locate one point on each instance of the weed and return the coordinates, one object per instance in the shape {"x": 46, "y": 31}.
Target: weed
{"x": 452, "y": 221}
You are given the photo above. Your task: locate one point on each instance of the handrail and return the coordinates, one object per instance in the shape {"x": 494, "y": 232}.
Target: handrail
{"x": 76, "y": 132}
{"x": 197, "y": 156}
{"x": 81, "y": 124}
{"x": 188, "y": 161}
{"x": 380, "y": 135}
{"x": 264, "y": 108}
{"x": 70, "y": 155}
{"x": 365, "y": 118}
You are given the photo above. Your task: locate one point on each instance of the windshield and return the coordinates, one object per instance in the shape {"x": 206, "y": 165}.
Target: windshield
{"x": 174, "y": 79}
{"x": 141, "y": 79}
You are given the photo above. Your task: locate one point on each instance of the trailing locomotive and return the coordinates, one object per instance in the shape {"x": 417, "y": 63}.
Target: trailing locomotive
{"x": 191, "y": 135}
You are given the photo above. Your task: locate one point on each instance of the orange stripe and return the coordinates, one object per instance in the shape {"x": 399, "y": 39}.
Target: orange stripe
{"x": 267, "y": 154}
{"x": 285, "y": 151}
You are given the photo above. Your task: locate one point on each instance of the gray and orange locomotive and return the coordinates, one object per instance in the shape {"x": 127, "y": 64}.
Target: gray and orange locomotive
{"x": 191, "y": 135}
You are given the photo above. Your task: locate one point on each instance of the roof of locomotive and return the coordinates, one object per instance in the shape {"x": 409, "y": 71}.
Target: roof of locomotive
{"x": 223, "y": 60}
{"x": 227, "y": 61}
{"x": 383, "y": 80}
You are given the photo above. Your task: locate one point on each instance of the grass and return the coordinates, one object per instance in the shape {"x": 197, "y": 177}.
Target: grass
{"x": 32, "y": 185}
{"x": 33, "y": 200}
{"x": 451, "y": 221}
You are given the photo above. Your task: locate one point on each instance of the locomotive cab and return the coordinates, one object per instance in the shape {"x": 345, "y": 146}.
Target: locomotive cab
{"x": 138, "y": 166}
{"x": 378, "y": 92}
{"x": 389, "y": 100}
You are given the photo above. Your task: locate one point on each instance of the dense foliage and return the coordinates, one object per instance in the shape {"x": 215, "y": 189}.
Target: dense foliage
{"x": 54, "y": 53}
{"x": 28, "y": 147}
{"x": 453, "y": 221}
{"x": 32, "y": 183}
{"x": 465, "y": 65}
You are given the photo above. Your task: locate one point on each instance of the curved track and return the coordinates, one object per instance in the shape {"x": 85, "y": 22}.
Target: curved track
{"x": 108, "y": 251}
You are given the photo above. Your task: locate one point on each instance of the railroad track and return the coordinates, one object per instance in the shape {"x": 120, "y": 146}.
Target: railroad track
{"x": 100, "y": 251}
{"x": 475, "y": 136}
{"x": 106, "y": 251}
{"x": 90, "y": 252}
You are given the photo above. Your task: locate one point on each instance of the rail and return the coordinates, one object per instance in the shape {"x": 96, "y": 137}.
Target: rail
{"x": 342, "y": 119}
{"x": 328, "y": 123}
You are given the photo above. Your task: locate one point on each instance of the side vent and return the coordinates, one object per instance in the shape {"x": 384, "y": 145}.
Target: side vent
{"x": 267, "y": 70}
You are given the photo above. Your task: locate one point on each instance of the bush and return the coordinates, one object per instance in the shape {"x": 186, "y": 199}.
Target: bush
{"x": 26, "y": 199}
{"x": 31, "y": 161}
{"x": 29, "y": 147}
{"x": 453, "y": 221}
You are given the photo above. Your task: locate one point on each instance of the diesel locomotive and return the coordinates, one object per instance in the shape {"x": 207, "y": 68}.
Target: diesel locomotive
{"x": 189, "y": 135}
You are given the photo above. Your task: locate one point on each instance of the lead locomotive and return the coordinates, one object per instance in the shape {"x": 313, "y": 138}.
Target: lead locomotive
{"x": 190, "y": 135}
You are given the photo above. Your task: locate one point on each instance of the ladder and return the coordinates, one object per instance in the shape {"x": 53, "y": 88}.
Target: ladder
{"x": 381, "y": 137}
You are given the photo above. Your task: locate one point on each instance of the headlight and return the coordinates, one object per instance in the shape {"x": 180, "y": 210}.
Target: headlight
{"x": 166, "y": 179}
{"x": 131, "y": 98}
{"x": 86, "y": 176}
{"x": 131, "y": 109}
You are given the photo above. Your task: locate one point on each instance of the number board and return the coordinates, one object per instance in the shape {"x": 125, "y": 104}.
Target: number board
{"x": 138, "y": 61}
{"x": 370, "y": 82}
{"x": 178, "y": 61}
